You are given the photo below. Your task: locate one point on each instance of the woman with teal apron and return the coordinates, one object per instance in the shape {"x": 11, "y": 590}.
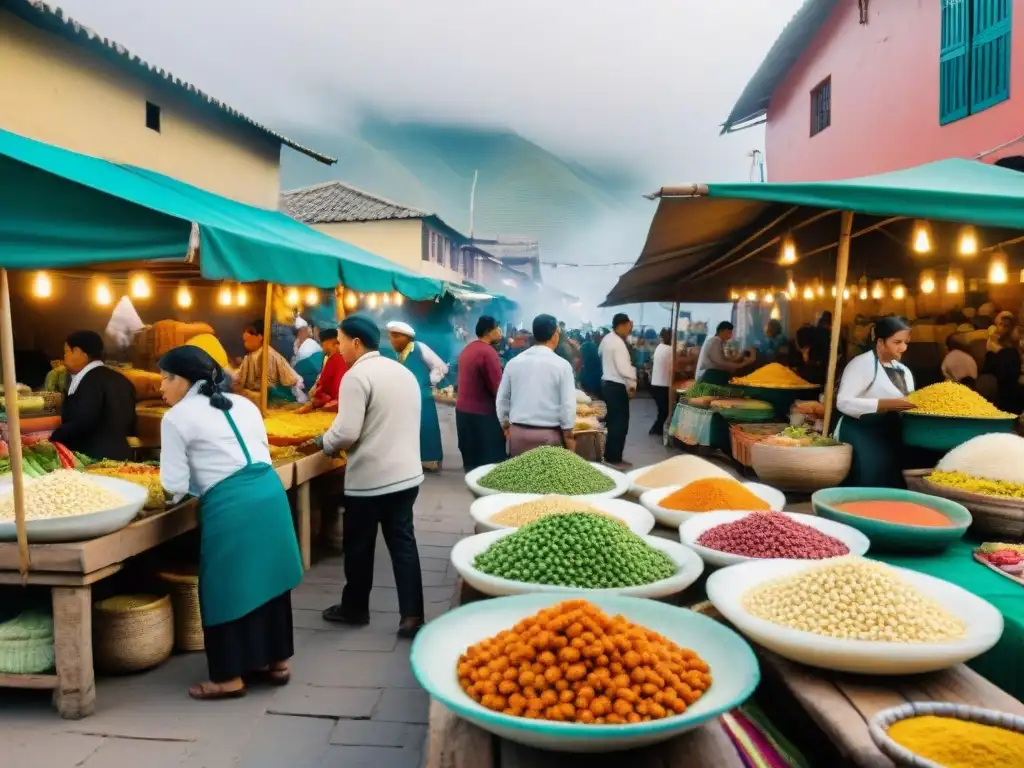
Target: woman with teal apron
{"x": 214, "y": 447}
{"x": 431, "y": 451}
{"x": 871, "y": 394}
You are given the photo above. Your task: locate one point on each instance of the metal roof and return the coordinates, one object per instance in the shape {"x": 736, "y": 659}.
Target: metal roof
{"x": 52, "y": 19}
{"x": 783, "y": 55}
{"x": 335, "y": 202}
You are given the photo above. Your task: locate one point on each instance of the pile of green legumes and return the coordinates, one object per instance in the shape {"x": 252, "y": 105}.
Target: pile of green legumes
{"x": 576, "y": 549}
{"x": 548, "y": 469}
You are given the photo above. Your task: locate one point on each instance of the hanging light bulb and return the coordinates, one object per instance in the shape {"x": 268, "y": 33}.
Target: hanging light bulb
{"x": 863, "y": 294}
{"x": 184, "y": 297}
{"x": 224, "y": 295}
{"x": 821, "y": 288}
{"x": 775, "y": 314}
{"x": 291, "y": 297}
{"x": 398, "y": 298}
{"x": 954, "y": 282}
{"x": 967, "y": 241}
{"x": 103, "y": 295}
{"x": 899, "y": 292}
{"x": 751, "y": 295}
{"x": 791, "y": 286}
{"x": 351, "y": 300}
{"x": 878, "y": 290}
{"x": 846, "y": 294}
{"x": 312, "y": 297}
{"x": 241, "y": 296}
{"x": 385, "y": 299}
{"x": 140, "y": 287}
{"x": 927, "y": 281}
{"x": 371, "y": 301}
{"x": 734, "y": 295}
{"x": 808, "y": 293}
{"x": 769, "y": 296}
{"x": 787, "y": 254}
{"x": 42, "y": 287}
{"x": 997, "y": 269}
{"x": 922, "y": 237}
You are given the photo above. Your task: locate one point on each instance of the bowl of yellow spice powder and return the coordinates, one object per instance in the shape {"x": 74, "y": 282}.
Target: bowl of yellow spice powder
{"x": 941, "y": 735}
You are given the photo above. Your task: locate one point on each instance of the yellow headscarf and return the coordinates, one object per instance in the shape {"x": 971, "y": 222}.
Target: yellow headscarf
{"x": 209, "y": 344}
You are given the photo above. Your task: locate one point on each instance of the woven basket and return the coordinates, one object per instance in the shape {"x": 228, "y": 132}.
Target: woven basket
{"x": 132, "y": 633}
{"x": 801, "y": 469}
{"x": 742, "y": 438}
{"x": 991, "y": 514}
{"x": 880, "y": 724}
{"x": 590, "y": 444}
{"x": 183, "y": 586}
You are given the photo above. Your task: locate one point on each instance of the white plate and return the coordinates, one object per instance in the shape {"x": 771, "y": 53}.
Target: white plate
{"x": 621, "y": 483}
{"x": 983, "y": 621}
{"x": 464, "y": 553}
{"x": 673, "y": 518}
{"x": 436, "y": 650}
{"x": 639, "y": 520}
{"x": 638, "y": 490}
{"x": 83, "y": 527}
{"x": 692, "y": 529}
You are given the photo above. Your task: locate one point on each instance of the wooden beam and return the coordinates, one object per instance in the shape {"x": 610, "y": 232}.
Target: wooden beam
{"x": 672, "y": 372}
{"x": 72, "y": 647}
{"x": 35, "y": 682}
{"x": 265, "y": 367}
{"x": 10, "y": 378}
{"x": 842, "y": 266}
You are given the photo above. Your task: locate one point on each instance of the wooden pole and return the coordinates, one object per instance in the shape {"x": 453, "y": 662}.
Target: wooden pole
{"x": 672, "y": 371}
{"x": 842, "y": 266}
{"x": 265, "y": 368}
{"x": 10, "y": 378}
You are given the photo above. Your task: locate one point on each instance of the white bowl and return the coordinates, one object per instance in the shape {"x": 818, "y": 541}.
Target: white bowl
{"x": 436, "y": 650}
{"x": 636, "y": 489}
{"x": 87, "y": 526}
{"x": 689, "y": 565}
{"x": 691, "y": 530}
{"x": 673, "y": 518}
{"x": 983, "y": 621}
{"x": 639, "y": 520}
{"x": 621, "y": 482}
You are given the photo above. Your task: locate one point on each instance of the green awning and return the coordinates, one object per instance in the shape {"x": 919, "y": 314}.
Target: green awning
{"x": 61, "y": 209}
{"x": 704, "y": 239}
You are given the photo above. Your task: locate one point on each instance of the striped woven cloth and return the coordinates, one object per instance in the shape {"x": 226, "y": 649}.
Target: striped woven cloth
{"x": 758, "y": 742}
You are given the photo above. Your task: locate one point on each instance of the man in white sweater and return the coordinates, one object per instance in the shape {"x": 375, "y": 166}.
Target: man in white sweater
{"x": 378, "y": 402}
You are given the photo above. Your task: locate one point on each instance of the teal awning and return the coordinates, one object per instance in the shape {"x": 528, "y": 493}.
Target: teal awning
{"x": 705, "y": 239}
{"x": 61, "y": 209}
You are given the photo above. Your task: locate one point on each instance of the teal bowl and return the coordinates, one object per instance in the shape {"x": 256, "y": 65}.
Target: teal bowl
{"x": 895, "y": 537}
{"x": 944, "y": 433}
{"x": 435, "y": 655}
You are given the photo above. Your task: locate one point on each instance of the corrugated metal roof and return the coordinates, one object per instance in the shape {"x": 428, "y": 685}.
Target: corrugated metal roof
{"x": 787, "y": 50}
{"x": 53, "y": 19}
{"x": 334, "y": 202}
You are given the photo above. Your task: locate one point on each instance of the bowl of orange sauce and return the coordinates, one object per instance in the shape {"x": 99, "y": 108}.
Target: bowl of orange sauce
{"x": 895, "y": 520}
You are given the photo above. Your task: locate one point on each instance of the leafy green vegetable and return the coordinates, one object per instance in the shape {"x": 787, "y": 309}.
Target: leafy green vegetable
{"x": 704, "y": 389}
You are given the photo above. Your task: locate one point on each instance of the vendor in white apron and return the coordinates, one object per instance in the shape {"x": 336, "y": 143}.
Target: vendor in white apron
{"x": 872, "y": 392}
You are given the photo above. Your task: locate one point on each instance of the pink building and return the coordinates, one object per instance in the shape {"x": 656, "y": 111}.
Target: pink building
{"x": 855, "y": 87}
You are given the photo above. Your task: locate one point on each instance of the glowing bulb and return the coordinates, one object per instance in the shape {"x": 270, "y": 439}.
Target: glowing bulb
{"x": 399, "y": 299}
{"x": 140, "y": 288}
{"x": 241, "y": 296}
{"x": 385, "y": 299}
{"x": 734, "y": 295}
{"x": 808, "y": 293}
{"x": 291, "y": 297}
{"x": 899, "y": 292}
{"x": 833, "y": 291}
{"x": 878, "y": 291}
{"x": 953, "y": 284}
{"x": 103, "y": 295}
{"x": 922, "y": 237}
{"x": 967, "y": 242}
{"x": 863, "y": 295}
{"x": 42, "y": 287}
{"x": 997, "y": 270}
{"x": 312, "y": 297}
{"x": 184, "y": 297}
{"x": 351, "y": 300}
{"x": 788, "y": 253}
{"x": 791, "y": 287}
{"x": 769, "y": 297}
{"x": 775, "y": 313}
{"x": 371, "y": 301}
{"x": 927, "y": 285}
{"x": 821, "y": 289}
{"x": 846, "y": 294}
{"x": 224, "y": 297}
{"x": 751, "y": 295}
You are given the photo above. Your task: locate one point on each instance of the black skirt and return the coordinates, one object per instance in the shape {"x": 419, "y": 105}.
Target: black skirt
{"x": 252, "y": 642}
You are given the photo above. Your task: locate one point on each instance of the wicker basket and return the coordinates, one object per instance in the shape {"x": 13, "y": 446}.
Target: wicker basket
{"x": 991, "y": 514}
{"x": 805, "y": 469}
{"x": 741, "y": 438}
{"x": 880, "y": 724}
{"x": 590, "y": 444}
{"x": 132, "y": 633}
{"x": 183, "y": 586}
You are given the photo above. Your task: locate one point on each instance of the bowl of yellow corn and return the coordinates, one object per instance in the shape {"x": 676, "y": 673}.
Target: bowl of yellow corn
{"x": 290, "y": 428}
{"x": 948, "y": 414}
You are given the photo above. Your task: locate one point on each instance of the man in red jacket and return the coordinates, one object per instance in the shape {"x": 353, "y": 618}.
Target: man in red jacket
{"x": 324, "y": 394}
{"x": 481, "y": 439}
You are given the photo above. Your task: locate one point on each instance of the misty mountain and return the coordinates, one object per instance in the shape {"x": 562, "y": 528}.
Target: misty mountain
{"x": 523, "y": 189}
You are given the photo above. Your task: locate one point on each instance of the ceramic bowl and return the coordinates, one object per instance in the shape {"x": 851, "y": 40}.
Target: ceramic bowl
{"x": 636, "y": 489}
{"x": 437, "y": 648}
{"x": 621, "y": 482}
{"x": 639, "y": 520}
{"x": 673, "y": 518}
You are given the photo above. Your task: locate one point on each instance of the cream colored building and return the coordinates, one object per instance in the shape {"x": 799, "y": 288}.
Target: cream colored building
{"x": 417, "y": 240}
{"x": 63, "y": 84}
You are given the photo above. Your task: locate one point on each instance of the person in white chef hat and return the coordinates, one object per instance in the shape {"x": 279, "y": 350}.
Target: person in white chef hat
{"x": 429, "y": 370}
{"x": 308, "y": 358}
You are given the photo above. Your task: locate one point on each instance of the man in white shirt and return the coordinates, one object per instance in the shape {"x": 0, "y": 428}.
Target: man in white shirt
{"x": 378, "y": 401}
{"x": 661, "y": 379}
{"x": 536, "y": 401}
{"x": 618, "y": 384}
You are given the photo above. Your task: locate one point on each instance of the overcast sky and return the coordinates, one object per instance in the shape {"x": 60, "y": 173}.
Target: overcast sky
{"x": 644, "y": 83}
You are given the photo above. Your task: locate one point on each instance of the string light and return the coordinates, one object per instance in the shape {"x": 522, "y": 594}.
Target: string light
{"x": 224, "y": 296}
{"x": 808, "y": 293}
{"x": 954, "y": 284}
{"x": 775, "y": 314}
{"x": 878, "y": 290}
{"x": 751, "y": 295}
{"x": 184, "y": 297}
{"x": 312, "y": 297}
{"x": 241, "y": 296}
{"x": 863, "y": 295}
{"x": 927, "y": 281}
{"x": 385, "y": 299}
{"x": 291, "y": 297}
{"x": 821, "y": 288}
{"x": 42, "y": 287}
{"x": 997, "y": 273}
{"x": 899, "y": 292}
{"x": 399, "y": 299}
{"x": 967, "y": 241}
{"x": 102, "y": 294}
{"x": 846, "y": 294}
{"x": 791, "y": 287}
{"x": 140, "y": 287}
{"x": 371, "y": 301}
{"x": 769, "y": 296}
{"x": 787, "y": 254}
{"x": 734, "y": 295}
{"x": 922, "y": 237}
{"x": 351, "y": 300}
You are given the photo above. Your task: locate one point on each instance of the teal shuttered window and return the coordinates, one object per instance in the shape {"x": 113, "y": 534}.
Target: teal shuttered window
{"x": 974, "y": 56}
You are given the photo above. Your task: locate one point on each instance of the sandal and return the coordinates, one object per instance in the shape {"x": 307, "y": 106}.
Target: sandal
{"x": 209, "y": 691}
{"x": 275, "y": 677}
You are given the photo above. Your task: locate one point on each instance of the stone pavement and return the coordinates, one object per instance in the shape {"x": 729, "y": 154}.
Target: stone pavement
{"x": 352, "y": 703}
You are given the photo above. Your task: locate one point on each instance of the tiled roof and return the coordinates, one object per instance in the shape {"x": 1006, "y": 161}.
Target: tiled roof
{"x": 53, "y": 19}
{"x": 334, "y": 202}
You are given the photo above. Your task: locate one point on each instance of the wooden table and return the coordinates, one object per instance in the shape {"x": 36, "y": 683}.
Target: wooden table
{"x": 70, "y": 570}
{"x": 331, "y": 473}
